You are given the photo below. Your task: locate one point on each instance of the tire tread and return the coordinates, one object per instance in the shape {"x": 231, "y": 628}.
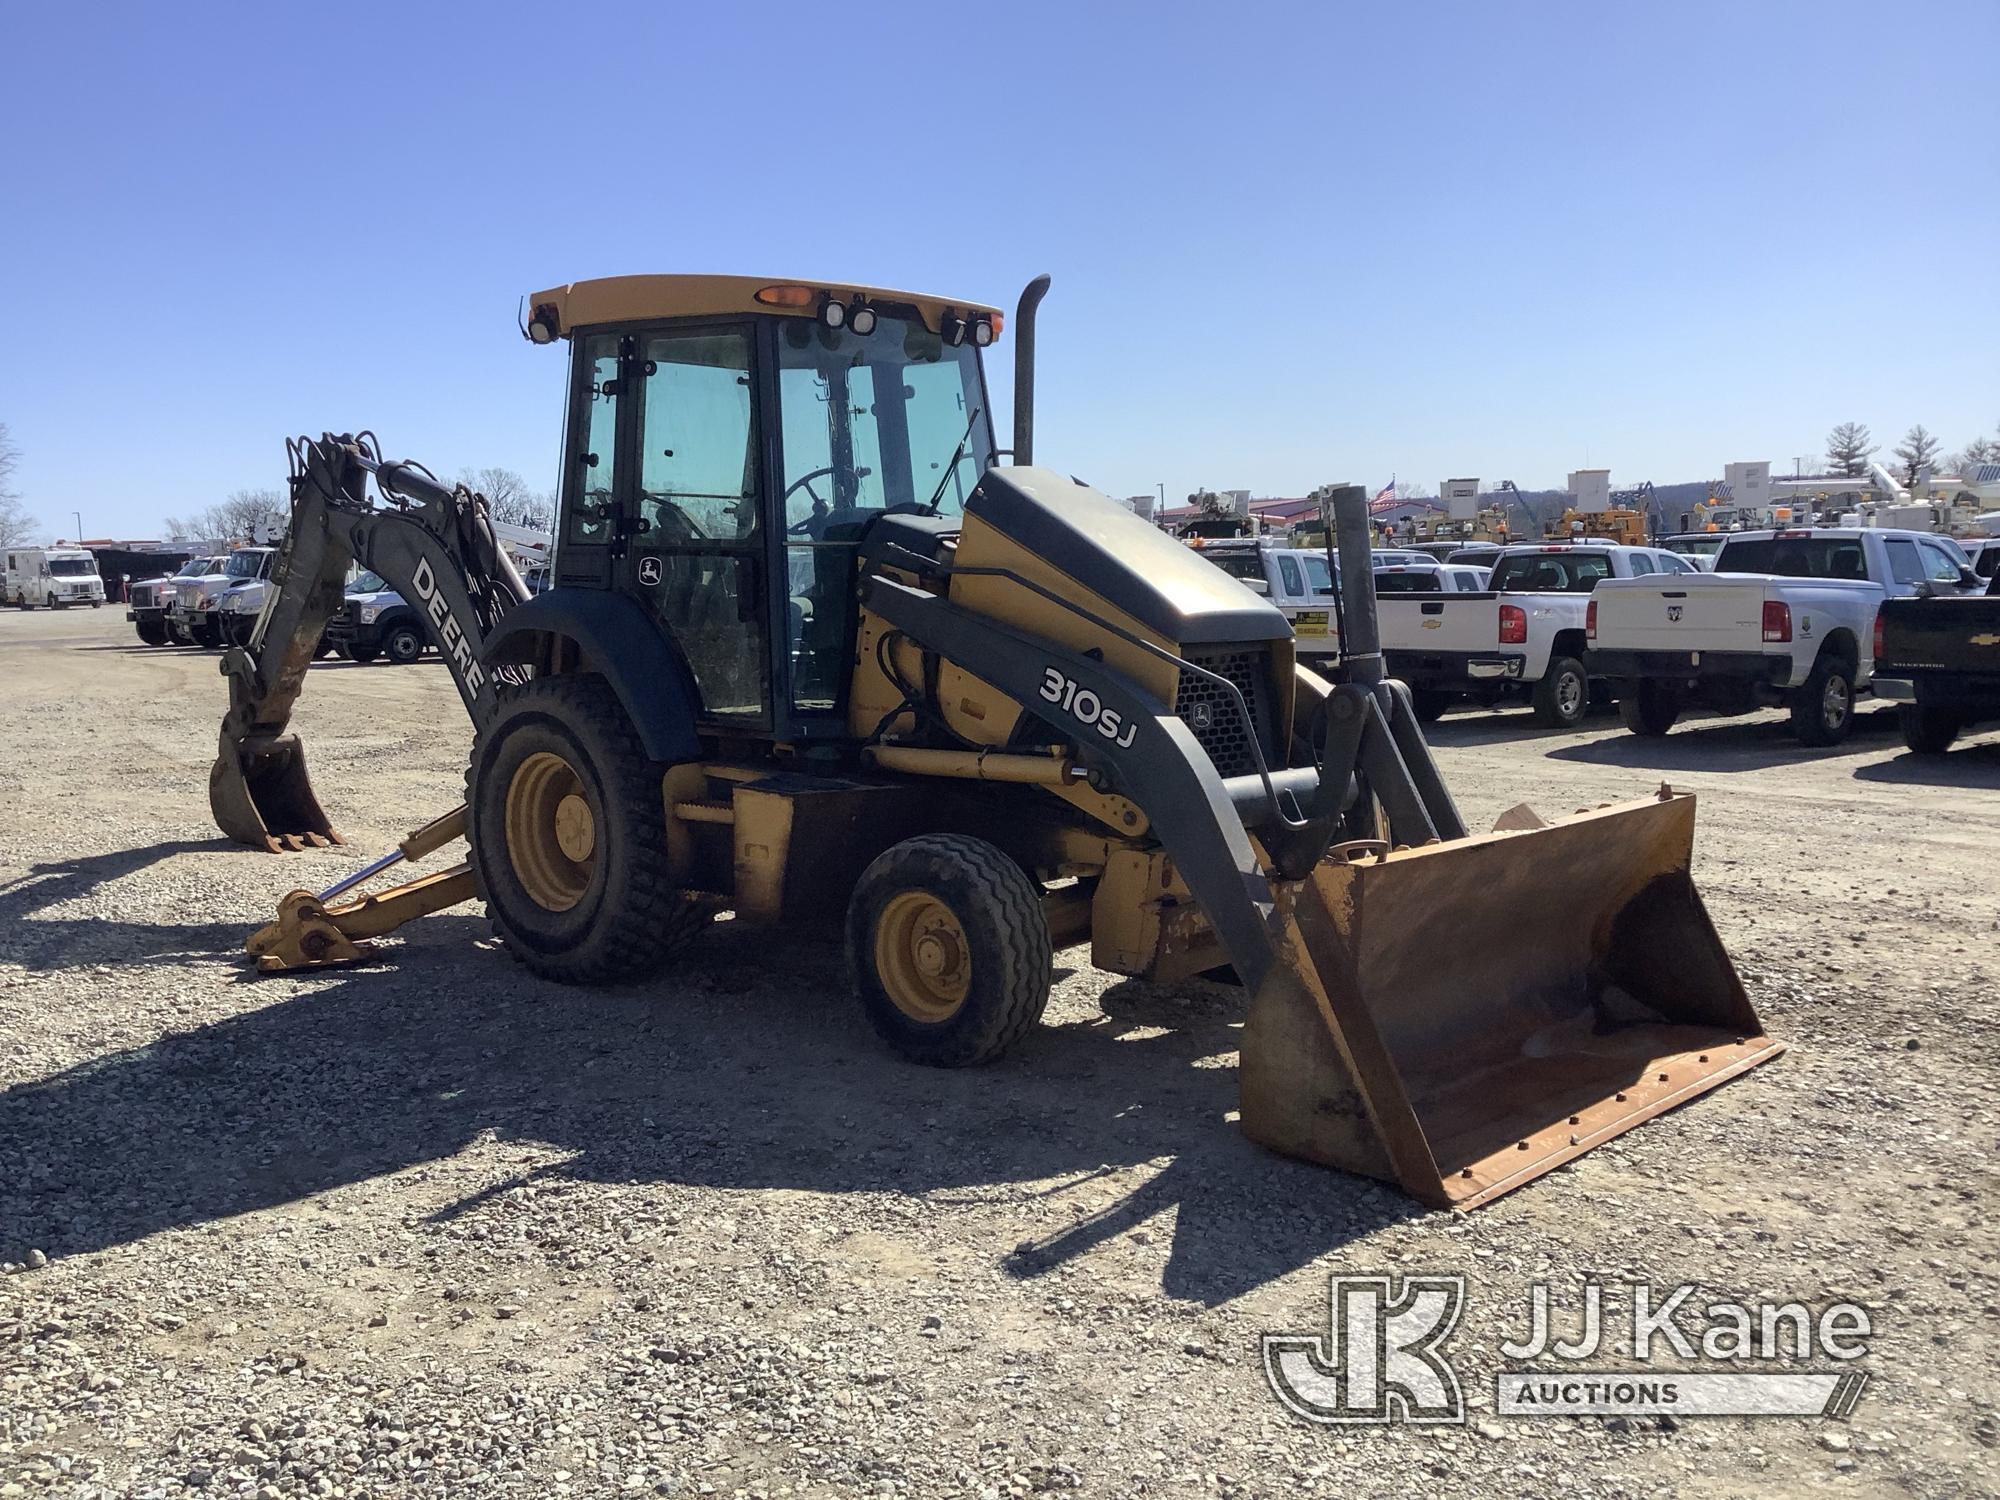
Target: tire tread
{"x": 653, "y": 917}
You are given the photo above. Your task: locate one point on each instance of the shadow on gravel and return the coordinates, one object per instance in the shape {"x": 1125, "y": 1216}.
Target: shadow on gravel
{"x": 1723, "y": 745}
{"x": 745, "y": 1069}
{"x": 1973, "y": 767}
{"x": 1470, "y": 728}
{"x": 64, "y": 943}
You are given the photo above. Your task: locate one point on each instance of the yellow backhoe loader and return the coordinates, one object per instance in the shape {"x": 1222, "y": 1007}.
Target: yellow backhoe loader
{"x": 814, "y": 653}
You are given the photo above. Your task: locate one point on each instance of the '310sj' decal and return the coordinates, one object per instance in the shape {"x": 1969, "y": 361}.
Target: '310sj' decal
{"x": 1085, "y": 707}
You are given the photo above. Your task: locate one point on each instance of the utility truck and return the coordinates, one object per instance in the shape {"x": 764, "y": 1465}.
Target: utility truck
{"x": 196, "y": 616}
{"x": 53, "y": 578}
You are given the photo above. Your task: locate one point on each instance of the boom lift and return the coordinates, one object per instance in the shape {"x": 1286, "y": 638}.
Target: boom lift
{"x": 813, "y": 653}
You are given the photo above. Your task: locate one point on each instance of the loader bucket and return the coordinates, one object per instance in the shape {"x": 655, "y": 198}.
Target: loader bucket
{"x": 1463, "y": 1017}
{"x": 261, "y": 796}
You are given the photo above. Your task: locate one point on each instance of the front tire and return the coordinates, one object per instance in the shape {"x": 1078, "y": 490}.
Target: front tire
{"x": 1822, "y": 707}
{"x": 949, "y": 950}
{"x": 1562, "y": 697}
{"x": 404, "y": 645}
{"x": 153, "y": 633}
{"x": 568, "y": 835}
{"x": 363, "y": 654}
{"x": 1928, "y": 731}
{"x": 1649, "y": 708}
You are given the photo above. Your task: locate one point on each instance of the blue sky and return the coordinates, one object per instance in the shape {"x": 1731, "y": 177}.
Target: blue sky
{"x": 1291, "y": 243}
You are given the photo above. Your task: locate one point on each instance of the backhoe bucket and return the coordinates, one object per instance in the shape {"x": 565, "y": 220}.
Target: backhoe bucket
{"x": 261, "y": 796}
{"x": 1463, "y": 1017}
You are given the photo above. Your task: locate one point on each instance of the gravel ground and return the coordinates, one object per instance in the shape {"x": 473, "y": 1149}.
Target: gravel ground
{"x": 435, "y": 1227}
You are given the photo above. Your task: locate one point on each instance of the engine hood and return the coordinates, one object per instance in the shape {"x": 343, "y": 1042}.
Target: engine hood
{"x": 1127, "y": 562}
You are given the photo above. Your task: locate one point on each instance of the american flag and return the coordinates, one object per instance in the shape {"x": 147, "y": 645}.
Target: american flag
{"x": 1385, "y": 499}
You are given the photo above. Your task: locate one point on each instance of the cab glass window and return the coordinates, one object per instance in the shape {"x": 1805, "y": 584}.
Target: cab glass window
{"x": 1939, "y": 565}
{"x": 1904, "y": 564}
{"x": 1319, "y": 575}
{"x": 597, "y": 442}
{"x": 1288, "y": 569}
{"x": 890, "y": 420}
{"x": 1415, "y": 581}
{"x": 1558, "y": 572}
{"x": 697, "y": 463}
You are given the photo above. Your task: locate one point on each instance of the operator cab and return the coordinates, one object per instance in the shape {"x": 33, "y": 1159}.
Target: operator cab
{"x": 732, "y": 441}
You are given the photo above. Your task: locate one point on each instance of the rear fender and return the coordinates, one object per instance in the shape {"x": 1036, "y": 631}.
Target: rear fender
{"x": 618, "y": 638}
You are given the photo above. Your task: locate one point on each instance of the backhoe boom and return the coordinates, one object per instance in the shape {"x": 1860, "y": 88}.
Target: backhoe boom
{"x": 433, "y": 544}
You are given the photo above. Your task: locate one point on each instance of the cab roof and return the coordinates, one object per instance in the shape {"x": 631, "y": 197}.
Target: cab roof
{"x": 631, "y": 299}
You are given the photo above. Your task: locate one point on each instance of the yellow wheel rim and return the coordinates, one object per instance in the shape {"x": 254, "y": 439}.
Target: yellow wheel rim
{"x": 551, "y": 834}
{"x": 922, "y": 957}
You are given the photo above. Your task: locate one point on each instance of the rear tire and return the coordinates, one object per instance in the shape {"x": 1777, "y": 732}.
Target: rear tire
{"x": 1562, "y": 697}
{"x": 403, "y": 645}
{"x": 1822, "y": 707}
{"x": 1928, "y": 731}
{"x": 1649, "y": 708}
{"x": 1430, "y": 703}
{"x": 568, "y": 835}
{"x": 948, "y": 947}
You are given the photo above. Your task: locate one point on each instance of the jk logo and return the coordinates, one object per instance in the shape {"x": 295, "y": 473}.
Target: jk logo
{"x": 1379, "y": 1359}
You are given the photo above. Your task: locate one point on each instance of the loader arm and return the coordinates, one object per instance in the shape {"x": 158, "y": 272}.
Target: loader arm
{"x": 1457, "y": 1013}
{"x": 434, "y": 544}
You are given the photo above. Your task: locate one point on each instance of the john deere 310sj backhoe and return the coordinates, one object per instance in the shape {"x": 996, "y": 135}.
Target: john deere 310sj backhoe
{"x": 813, "y": 652}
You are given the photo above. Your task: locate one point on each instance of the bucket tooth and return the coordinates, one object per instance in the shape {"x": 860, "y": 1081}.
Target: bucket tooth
{"x": 1463, "y": 1017}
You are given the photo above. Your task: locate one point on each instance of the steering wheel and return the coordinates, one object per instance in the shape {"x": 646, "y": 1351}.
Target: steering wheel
{"x": 804, "y": 481}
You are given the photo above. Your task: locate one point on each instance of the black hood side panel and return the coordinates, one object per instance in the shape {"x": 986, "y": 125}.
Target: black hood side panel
{"x": 1128, "y": 562}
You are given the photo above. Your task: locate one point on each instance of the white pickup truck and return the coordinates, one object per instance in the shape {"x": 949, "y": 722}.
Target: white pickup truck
{"x": 1524, "y": 631}
{"x": 1296, "y": 579}
{"x": 1787, "y": 617}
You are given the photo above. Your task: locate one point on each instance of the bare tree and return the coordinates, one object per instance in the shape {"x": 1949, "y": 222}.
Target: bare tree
{"x": 246, "y": 516}
{"x": 1848, "y": 448}
{"x": 1981, "y": 450}
{"x": 16, "y": 525}
{"x": 1917, "y": 451}
{"x": 509, "y": 499}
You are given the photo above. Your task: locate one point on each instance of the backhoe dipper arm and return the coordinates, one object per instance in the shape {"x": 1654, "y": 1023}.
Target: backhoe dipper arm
{"x": 433, "y": 544}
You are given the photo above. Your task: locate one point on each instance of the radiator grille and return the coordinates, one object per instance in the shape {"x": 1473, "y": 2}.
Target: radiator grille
{"x": 1211, "y": 712}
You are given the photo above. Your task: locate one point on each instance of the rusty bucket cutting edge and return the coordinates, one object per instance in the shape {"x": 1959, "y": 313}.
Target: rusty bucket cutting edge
{"x": 1464, "y": 1017}
{"x": 260, "y": 795}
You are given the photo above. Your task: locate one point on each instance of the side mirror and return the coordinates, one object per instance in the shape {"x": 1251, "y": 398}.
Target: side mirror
{"x": 1967, "y": 579}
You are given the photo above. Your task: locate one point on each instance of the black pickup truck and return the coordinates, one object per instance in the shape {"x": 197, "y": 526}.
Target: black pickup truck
{"x": 1939, "y": 659}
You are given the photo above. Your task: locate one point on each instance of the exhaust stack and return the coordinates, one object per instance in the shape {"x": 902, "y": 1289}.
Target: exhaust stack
{"x": 1024, "y": 369}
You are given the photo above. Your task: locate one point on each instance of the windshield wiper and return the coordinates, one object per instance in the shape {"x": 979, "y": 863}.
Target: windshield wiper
{"x": 930, "y": 506}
